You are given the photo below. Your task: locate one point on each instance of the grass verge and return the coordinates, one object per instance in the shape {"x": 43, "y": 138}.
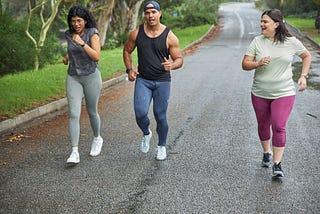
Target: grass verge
{"x": 306, "y": 26}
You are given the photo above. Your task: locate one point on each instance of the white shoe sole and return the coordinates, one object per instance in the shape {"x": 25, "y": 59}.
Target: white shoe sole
{"x": 72, "y": 161}
{"x": 95, "y": 154}
{"x": 161, "y": 159}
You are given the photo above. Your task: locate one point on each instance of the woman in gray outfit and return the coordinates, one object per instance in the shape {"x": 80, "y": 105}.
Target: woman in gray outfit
{"x": 83, "y": 77}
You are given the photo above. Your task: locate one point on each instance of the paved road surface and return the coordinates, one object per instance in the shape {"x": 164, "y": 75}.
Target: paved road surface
{"x": 214, "y": 155}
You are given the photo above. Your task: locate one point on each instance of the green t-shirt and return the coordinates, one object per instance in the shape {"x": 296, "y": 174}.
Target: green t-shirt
{"x": 275, "y": 79}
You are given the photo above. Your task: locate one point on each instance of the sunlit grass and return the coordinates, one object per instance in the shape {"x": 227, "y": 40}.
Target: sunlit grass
{"x": 306, "y": 26}
{"x": 22, "y": 91}
{"x": 188, "y": 35}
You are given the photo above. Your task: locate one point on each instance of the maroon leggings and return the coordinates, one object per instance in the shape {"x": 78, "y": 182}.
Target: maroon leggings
{"x": 274, "y": 113}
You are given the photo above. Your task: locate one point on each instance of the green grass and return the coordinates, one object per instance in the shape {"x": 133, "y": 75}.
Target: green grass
{"x": 306, "y": 26}
{"x": 301, "y": 24}
{"x": 26, "y": 90}
{"x": 191, "y": 34}
{"x": 21, "y": 91}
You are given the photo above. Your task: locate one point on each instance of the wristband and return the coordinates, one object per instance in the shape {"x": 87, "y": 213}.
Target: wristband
{"x": 128, "y": 70}
{"x": 305, "y": 76}
{"x": 83, "y": 44}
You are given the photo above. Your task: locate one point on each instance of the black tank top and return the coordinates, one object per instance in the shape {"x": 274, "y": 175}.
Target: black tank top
{"x": 151, "y": 53}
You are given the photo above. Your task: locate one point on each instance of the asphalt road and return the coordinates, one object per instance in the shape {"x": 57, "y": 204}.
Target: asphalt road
{"x": 214, "y": 155}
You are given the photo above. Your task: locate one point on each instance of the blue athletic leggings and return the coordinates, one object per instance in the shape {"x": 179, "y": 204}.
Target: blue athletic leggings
{"x": 89, "y": 87}
{"x": 145, "y": 91}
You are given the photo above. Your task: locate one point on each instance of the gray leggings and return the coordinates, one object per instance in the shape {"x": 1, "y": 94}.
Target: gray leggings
{"x": 90, "y": 87}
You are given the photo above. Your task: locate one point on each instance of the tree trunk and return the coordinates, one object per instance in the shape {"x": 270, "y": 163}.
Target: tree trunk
{"x": 125, "y": 17}
{"x": 102, "y": 12}
{"x": 133, "y": 15}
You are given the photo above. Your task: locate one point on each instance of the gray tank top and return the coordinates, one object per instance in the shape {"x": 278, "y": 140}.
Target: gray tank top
{"x": 79, "y": 62}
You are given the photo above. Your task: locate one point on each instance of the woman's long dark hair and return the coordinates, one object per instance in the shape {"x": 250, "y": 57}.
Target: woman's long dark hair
{"x": 281, "y": 31}
{"x": 82, "y": 12}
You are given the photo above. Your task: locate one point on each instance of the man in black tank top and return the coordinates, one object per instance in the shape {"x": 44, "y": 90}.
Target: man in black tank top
{"x": 158, "y": 54}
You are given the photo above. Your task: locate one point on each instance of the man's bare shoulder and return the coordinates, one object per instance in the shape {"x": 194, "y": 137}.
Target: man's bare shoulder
{"x": 172, "y": 38}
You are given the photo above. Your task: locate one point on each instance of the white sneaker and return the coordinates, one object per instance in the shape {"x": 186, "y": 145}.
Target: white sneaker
{"x": 161, "y": 154}
{"x": 144, "y": 147}
{"x": 96, "y": 146}
{"x": 74, "y": 157}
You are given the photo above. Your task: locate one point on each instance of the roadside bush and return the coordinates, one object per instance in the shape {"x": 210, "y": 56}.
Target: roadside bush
{"x": 172, "y": 21}
{"x": 113, "y": 42}
{"x": 18, "y": 52}
{"x": 293, "y": 7}
{"x": 260, "y": 4}
{"x": 52, "y": 51}
{"x": 196, "y": 19}
{"x": 191, "y": 13}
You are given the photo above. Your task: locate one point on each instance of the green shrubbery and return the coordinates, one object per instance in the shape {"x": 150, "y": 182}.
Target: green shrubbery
{"x": 191, "y": 13}
{"x": 17, "y": 52}
{"x": 297, "y": 8}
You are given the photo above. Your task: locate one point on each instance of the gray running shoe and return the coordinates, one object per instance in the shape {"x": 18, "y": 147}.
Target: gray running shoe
{"x": 277, "y": 170}
{"x": 266, "y": 160}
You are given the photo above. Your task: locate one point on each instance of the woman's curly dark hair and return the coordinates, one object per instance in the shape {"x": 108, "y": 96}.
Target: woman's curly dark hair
{"x": 83, "y": 13}
{"x": 281, "y": 31}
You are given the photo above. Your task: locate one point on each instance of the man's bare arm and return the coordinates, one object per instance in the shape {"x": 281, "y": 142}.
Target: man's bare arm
{"x": 129, "y": 47}
{"x": 175, "y": 52}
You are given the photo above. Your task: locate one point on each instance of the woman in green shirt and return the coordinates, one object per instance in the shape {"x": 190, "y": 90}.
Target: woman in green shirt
{"x": 273, "y": 90}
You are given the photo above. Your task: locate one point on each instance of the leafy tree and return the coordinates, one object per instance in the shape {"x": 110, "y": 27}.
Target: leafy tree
{"x": 102, "y": 11}
{"x": 38, "y": 45}
{"x": 293, "y": 7}
{"x": 16, "y": 52}
{"x": 124, "y": 18}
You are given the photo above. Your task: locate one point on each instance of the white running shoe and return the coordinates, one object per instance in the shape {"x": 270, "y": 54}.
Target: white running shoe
{"x": 74, "y": 157}
{"x": 161, "y": 154}
{"x": 96, "y": 146}
{"x": 144, "y": 147}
